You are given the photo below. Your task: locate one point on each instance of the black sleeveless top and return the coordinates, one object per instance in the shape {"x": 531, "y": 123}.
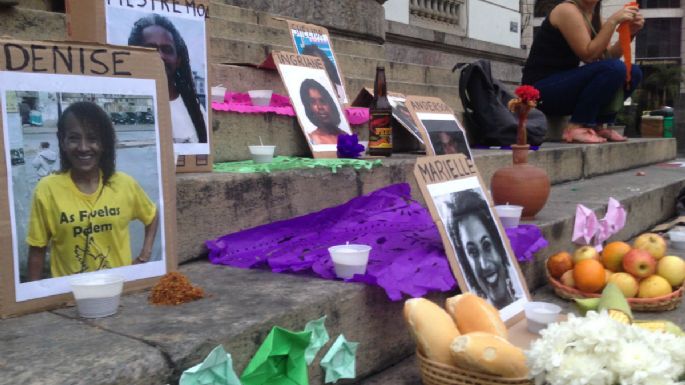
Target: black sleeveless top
{"x": 550, "y": 54}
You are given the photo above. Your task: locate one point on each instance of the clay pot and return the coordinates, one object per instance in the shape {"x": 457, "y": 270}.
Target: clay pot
{"x": 521, "y": 184}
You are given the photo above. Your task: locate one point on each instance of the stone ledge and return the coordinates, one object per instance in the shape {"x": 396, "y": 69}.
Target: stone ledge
{"x": 205, "y": 202}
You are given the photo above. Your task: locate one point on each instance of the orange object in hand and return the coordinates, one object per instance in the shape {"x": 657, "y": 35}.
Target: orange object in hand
{"x": 624, "y": 41}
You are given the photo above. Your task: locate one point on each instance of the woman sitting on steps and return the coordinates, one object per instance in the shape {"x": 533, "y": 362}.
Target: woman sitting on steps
{"x": 573, "y": 32}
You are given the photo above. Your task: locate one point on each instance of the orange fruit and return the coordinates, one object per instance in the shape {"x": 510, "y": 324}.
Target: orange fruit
{"x": 612, "y": 255}
{"x": 589, "y": 275}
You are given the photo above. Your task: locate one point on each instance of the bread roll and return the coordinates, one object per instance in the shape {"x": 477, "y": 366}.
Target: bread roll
{"x": 432, "y": 328}
{"x": 488, "y": 353}
{"x": 472, "y": 313}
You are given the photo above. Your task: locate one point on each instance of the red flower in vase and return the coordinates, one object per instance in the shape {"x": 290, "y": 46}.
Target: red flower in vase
{"x": 527, "y": 98}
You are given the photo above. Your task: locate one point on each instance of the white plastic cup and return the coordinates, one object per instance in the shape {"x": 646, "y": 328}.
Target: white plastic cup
{"x": 218, "y": 94}
{"x": 97, "y": 295}
{"x": 262, "y": 154}
{"x": 540, "y": 314}
{"x": 260, "y": 97}
{"x": 510, "y": 215}
{"x": 677, "y": 239}
{"x": 349, "y": 259}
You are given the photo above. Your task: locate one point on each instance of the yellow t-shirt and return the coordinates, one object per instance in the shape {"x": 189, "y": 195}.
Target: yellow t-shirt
{"x": 86, "y": 232}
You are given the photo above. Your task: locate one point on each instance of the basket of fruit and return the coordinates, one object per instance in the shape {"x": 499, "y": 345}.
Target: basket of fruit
{"x": 649, "y": 280}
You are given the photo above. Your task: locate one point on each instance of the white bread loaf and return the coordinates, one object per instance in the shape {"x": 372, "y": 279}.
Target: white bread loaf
{"x": 472, "y": 313}
{"x": 488, "y": 353}
{"x": 432, "y": 328}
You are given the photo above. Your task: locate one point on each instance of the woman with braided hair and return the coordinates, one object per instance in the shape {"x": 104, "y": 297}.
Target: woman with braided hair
{"x": 187, "y": 114}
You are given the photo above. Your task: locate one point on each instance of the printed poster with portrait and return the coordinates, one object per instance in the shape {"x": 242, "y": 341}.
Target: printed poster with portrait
{"x": 314, "y": 40}
{"x": 80, "y": 193}
{"x": 441, "y": 131}
{"x": 475, "y": 242}
{"x": 311, "y": 93}
{"x": 177, "y": 29}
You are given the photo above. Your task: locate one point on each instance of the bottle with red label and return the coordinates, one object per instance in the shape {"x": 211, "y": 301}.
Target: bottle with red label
{"x": 380, "y": 118}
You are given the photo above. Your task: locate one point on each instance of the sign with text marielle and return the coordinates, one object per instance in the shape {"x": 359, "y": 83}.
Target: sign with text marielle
{"x": 475, "y": 242}
{"x": 80, "y": 193}
{"x": 177, "y": 29}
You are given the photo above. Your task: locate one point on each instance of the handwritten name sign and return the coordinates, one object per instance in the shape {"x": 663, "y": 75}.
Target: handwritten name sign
{"x": 189, "y": 7}
{"x": 65, "y": 59}
{"x": 430, "y": 170}
{"x": 293, "y": 59}
{"x": 430, "y": 105}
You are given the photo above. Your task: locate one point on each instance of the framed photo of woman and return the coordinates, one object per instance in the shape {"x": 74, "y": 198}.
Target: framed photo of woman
{"x": 475, "y": 242}
{"x": 87, "y": 175}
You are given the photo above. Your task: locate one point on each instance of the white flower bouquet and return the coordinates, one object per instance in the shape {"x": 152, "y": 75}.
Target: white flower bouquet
{"x": 598, "y": 350}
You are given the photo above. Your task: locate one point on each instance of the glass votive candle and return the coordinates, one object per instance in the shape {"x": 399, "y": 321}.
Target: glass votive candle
{"x": 510, "y": 215}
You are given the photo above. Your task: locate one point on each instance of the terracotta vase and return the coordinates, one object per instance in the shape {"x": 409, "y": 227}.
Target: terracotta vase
{"x": 521, "y": 184}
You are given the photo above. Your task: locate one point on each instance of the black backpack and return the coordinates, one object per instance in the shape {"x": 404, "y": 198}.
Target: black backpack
{"x": 486, "y": 116}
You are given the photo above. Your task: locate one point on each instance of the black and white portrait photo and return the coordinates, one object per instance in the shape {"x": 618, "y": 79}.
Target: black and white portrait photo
{"x": 484, "y": 261}
{"x": 445, "y": 134}
{"x": 401, "y": 113}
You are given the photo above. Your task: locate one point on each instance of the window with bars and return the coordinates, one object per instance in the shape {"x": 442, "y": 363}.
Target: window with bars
{"x": 659, "y": 3}
{"x": 660, "y": 38}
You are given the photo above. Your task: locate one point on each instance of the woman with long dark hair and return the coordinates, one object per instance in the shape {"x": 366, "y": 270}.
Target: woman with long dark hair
{"x": 480, "y": 251}
{"x": 187, "y": 114}
{"x": 82, "y": 212}
{"x": 574, "y": 32}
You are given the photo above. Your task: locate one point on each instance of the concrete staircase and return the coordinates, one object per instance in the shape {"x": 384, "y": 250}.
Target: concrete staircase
{"x": 144, "y": 344}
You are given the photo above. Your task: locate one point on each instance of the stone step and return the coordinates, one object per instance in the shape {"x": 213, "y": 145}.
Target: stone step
{"x": 32, "y": 24}
{"x": 272, "y": 31}
{"x": 204, "y": 201}
{"x": 235, "y": 50}
{"x": 147, "y": 344}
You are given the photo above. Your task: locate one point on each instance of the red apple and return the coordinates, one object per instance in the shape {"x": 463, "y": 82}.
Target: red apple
{"x": 639, "y": 263}
{"x": 652, "y": 243}
{"x": 559, "y": 263}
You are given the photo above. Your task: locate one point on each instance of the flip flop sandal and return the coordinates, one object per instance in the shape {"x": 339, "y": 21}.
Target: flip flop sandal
{"x": 611, "y": 135}
{"x": 582, "y": 135}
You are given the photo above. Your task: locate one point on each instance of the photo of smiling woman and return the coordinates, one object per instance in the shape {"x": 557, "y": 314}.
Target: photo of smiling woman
{"x": 81, "y": 213}
{"x": 480, "y": 251}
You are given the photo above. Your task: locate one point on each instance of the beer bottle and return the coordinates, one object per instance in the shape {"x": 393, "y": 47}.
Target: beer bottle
{"x": 380, "y": 117}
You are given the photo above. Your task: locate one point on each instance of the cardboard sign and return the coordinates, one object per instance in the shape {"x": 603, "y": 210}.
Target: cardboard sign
{"x": 311, "y": 94}
{"x": 441, "y": 131}
{"x": 399, "y": 110}
{"x": 314, "y": 40}
{"x": 177, "y": 29}
{"x": 63, "y": 112}
{"x": 475, "y": 242}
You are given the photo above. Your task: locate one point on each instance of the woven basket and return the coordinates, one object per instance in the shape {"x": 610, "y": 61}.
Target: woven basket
{"x": 435, "y": 373}
{"x": 663, "y": 303}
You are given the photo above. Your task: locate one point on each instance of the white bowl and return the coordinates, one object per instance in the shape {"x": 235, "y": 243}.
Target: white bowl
{"x": 262, "y": 154}
{"x": 260, "y": 97}
{"x": 349, "y": 259}
{"x": 97, "y": 295}
{"x": 540, "y": 314}
{"x": 510, "y": 215}
{"x": 677, "y": 239}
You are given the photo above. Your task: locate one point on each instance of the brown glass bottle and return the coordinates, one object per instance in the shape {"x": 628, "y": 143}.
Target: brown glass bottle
{"x": 380, "y": 118}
